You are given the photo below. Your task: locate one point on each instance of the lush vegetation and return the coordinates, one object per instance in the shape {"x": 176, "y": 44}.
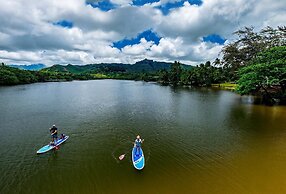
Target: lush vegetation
{"x": 246, "y": 48}
{"x": 146, "y": 70}
{"x": 144, "y": 66}
{"x": 201, "y": 75}
{"x": 257, "y": 62}
{"x": 265, "y": 76}
{"x": 12, "y": 76}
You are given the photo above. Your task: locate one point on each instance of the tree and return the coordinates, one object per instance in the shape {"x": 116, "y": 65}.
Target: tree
{"x": 164, "y": 76}
{"x": 7, "y": 77}
{"x": 185, "y": 77}
{"x": 175, "y": 73}
{"x": 242, "y": 51}
{"x": 12, "y": 76}
{"x": 205, "y": 75}
{"x": 265, "y": 76}
{"x": 217, "y": 62}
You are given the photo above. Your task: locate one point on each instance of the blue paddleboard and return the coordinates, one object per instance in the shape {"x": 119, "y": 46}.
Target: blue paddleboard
{"x": 49, "y": 147}
{"x": 138, "y": 159}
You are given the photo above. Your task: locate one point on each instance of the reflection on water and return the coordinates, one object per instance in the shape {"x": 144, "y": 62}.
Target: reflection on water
{"x": 196, "y": 140}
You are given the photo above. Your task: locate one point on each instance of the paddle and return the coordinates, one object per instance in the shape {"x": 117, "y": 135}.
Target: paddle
{"x": 121, "y": 157}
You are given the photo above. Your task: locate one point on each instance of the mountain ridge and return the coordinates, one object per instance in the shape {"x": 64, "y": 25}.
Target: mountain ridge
{"x": 143, "y": 66}
{"x": 31, "y": 67}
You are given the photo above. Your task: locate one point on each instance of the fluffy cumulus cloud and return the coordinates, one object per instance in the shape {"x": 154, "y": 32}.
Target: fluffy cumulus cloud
{"x": 84, "y": 31}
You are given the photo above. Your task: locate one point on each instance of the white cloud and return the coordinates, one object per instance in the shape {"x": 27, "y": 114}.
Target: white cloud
{"x": 171, "y": 48}
{"x": 212, "y": 17}
{"x": 27, "y": 33}
{"x": 20, "y": 56}
{"x": 138, "y": 49}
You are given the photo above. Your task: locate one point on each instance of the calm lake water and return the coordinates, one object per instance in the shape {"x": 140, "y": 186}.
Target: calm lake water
{"x": 196, "y": 140}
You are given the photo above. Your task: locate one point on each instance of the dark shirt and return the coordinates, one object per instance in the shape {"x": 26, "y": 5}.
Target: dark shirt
{"x": 53, "y": 129}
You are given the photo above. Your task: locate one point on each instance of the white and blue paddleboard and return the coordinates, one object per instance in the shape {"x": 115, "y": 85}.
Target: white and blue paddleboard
{"x": 138, "y": 158}
{"x": 49, "y": 147}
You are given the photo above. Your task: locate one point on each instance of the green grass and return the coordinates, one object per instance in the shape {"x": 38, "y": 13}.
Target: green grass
{"x": 227, "y": 86}
{"x": 99, "y": 76}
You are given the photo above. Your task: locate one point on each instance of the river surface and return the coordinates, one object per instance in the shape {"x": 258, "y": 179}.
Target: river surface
{"x": 196, "y": 140}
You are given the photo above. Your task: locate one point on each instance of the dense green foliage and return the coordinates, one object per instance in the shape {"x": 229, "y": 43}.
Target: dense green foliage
{"x": 146, "y": 70}
{"x": 256, "y": 61}
{"x": 175, "y": 73}
{"x": 12, "y": 76}
{"x": 266, "y": 75}
{"x": 249, "y": 43}
{"x": 202, "y": 75}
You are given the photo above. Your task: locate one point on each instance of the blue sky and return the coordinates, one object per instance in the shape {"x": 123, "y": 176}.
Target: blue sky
{"x": 106, "y": 5}
{"x": 148, "y": 35}
{"x": 125, "y": 31}
{"x": 64, "y": 23}
{"x": 102, "y": 5}
{"x": 165, "y": 8}
{"x": 143, "y": 2}
{"x": 214, "y": 38}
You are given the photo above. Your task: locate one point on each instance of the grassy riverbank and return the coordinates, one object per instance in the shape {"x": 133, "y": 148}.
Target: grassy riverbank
{"x": 227, "y": 86}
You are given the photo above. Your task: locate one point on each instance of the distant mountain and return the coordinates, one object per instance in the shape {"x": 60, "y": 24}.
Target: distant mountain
{"x": 150, "y": 66}
{"x": 32, "y": 67}
{"x": 146, "y": 65}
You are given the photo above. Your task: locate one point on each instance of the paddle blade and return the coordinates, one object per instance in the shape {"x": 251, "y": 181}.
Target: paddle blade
{"x": 121, "y": 157}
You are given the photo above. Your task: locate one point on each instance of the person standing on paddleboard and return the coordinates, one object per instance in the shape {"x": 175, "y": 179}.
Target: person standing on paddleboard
{"x": 138, "y": 143}
{"x": 54, "y": 133}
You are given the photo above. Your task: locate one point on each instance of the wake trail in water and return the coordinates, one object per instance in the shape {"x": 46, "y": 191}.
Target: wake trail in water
{"x": 117, "y": 151}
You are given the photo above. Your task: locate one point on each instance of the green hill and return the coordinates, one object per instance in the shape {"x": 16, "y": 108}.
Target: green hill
{"x": 13, "y": 76}
{"x": 146, "y": 70}
{"x": 144, "y": 66}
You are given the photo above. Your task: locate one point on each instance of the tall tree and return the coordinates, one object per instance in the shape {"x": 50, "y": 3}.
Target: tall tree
{"x": 249, "y": 43}
{"x": 164, "y": 76}
{"x": 265, "y": 76}
{"x": 175, "y": 73}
